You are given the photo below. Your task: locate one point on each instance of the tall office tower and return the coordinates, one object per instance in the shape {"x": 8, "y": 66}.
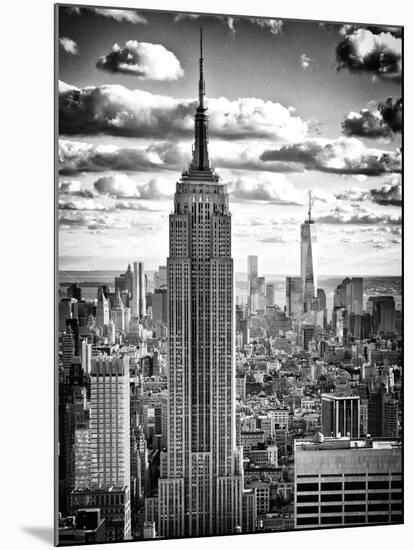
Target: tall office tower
{"x": 138, "y": 293}
{"x": 86, "y": 356}
{"x": 382, "y": 311}
{"x": 162, "y": 276}
{"x": 270, "y": 294}
{"x": 65, "y": 312}
{"x": 160, "y": 306}
{"x": 117, "y": 313}
{"x": 252, "y": 275}
{"x": 102, "y": 309}
{"x": 110, "y": 428}
{"x": 74, "y": 291}
{"x": 201, "y": 490}
{"x": 127, "y": 318}
{"x": 341, "y": 292}
{"x": 308, "y": 254}
{"x": 347, "y": 482}
{"x": 129, "y": 280}
{"x": 308, "y": 333}
{"x": 340, "y": 415}
{"x": 357, "y": 289}
{"x": 73, "y": 324}
{"x": 294, "y": 297}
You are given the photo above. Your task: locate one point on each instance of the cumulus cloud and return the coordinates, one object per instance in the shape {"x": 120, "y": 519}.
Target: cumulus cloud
{"x": 384, "y": 121}
{"x": 276, "y": 190}
{"x": 305, "y": 61}
{"x": 69, "y": 45}
{"x": 116, "y": 110}
{"x": 340, "y": 156}
{"x": 121, "y": 186}
{"x": 143, "y": 60}
{"x": 118, "y": 186}
{"x": 390, "y": 194}
{"x": 76, "y": 156}
{"x": 93, "y": 222}
{"x": 363, "y": 50}
{"x": 74, "y": 188}
{"x": 341, "y": 215}
{"x": 133, "y": 205}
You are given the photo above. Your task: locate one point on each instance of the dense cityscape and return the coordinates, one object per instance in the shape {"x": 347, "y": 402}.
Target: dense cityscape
{"x": 189, "y": 409}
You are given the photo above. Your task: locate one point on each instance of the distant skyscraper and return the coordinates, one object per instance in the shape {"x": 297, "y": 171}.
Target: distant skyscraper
{"x": 252, "y": 275}
{"x": 138, "y": 294}
{"x": 308, "y": 271}
{"x": 340, "y": 415}
{"x": 357, "y": 286}
{"x": 110, "y": 427}
{"x": 75, "y": 291}
{"x": 270, "y": 294}
{"x": 160, "y": 306}
{"x": 102, "y": 310}
{"x": 294, "y": 297}
{"x": 117, "y": 312}
{"x": 201, "y": 490}
{"x": 382, "y": 311}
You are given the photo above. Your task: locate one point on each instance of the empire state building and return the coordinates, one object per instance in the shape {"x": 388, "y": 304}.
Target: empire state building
{"x": 200, "y": 488}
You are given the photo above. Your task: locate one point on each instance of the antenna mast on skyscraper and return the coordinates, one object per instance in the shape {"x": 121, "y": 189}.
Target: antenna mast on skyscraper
{"x": 201, "y": 84}
{"x": 311, "y": 201}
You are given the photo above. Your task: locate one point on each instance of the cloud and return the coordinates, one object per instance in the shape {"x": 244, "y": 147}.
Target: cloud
{"x": 353, "y": 194}
{"x": 143, "y": 60}
{"x": 116, "y": 110}
{"x": 118, "y": 186}
{"x": 74, "y": 188}
{"x": 82, "y": 204}
{"x": 361, "y": 50}
{"x": 273, "y": 25}
{"x": 120, "y": 15}
{"x": 129, "y": 16}
{"x": 384, "y": 121}
{"x": 121, "y": 186}
{"x": 76, "y": 156}
{"x": 276, "y": 190}
{"x": 341, "y": 156}
{"x": 273, "y": 239}
{"x": 342, "y": 216}
{"x": 392, "y": 113}
{"x": 94, "y": 222}
{"x": 305, "y": 61}
{"x": 133, "y": 205}
{"x": 69, "y": 45}
{"x": 390, "y": 194}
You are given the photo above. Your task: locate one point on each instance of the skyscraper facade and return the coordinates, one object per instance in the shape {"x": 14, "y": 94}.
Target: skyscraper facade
{"x": 308, "y": 270}
{"x": 139, "y": 308}
{"x": 201, "y": 491}
{"x": 294, "y": 297}
{"x": 110, "y": 429}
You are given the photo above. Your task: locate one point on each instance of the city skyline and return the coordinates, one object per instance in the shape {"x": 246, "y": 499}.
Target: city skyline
{"x": 191, "y": 404}
{"x": 118, "y": 174}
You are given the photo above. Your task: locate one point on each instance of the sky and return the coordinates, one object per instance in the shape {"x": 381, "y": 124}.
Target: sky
{"x": 293, "y": 105}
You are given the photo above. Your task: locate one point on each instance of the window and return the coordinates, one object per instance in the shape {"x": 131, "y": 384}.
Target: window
{"x": 307, "y": 487}
{"x": 331, "y": 486}
{"x": 354, "y": 485}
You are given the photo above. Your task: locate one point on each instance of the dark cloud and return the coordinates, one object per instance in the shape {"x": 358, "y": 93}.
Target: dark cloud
{"x": 384, "y": 121}
{"x": 392, "y": 113}
{"x": 347, "y": 156}
{"x": 75, "y": 157}
{"x": 371, "y": 50}
{"x": 141, "y": 60}
{"x": 116, "y": 110}
{"x": 389, "y": 194}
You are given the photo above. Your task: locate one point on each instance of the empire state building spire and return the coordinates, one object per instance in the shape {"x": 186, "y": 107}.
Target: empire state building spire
{"x": 200, "y": 161}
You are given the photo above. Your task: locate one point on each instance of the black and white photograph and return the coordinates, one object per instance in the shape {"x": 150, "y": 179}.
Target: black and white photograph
{"x": 229, "y": 274}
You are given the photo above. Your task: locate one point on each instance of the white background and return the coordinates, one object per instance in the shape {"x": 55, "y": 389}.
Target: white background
{"x": 26, "y": 304}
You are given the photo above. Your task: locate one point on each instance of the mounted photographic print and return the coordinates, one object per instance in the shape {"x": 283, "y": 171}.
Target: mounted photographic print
{"x": 229, "y": 349}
